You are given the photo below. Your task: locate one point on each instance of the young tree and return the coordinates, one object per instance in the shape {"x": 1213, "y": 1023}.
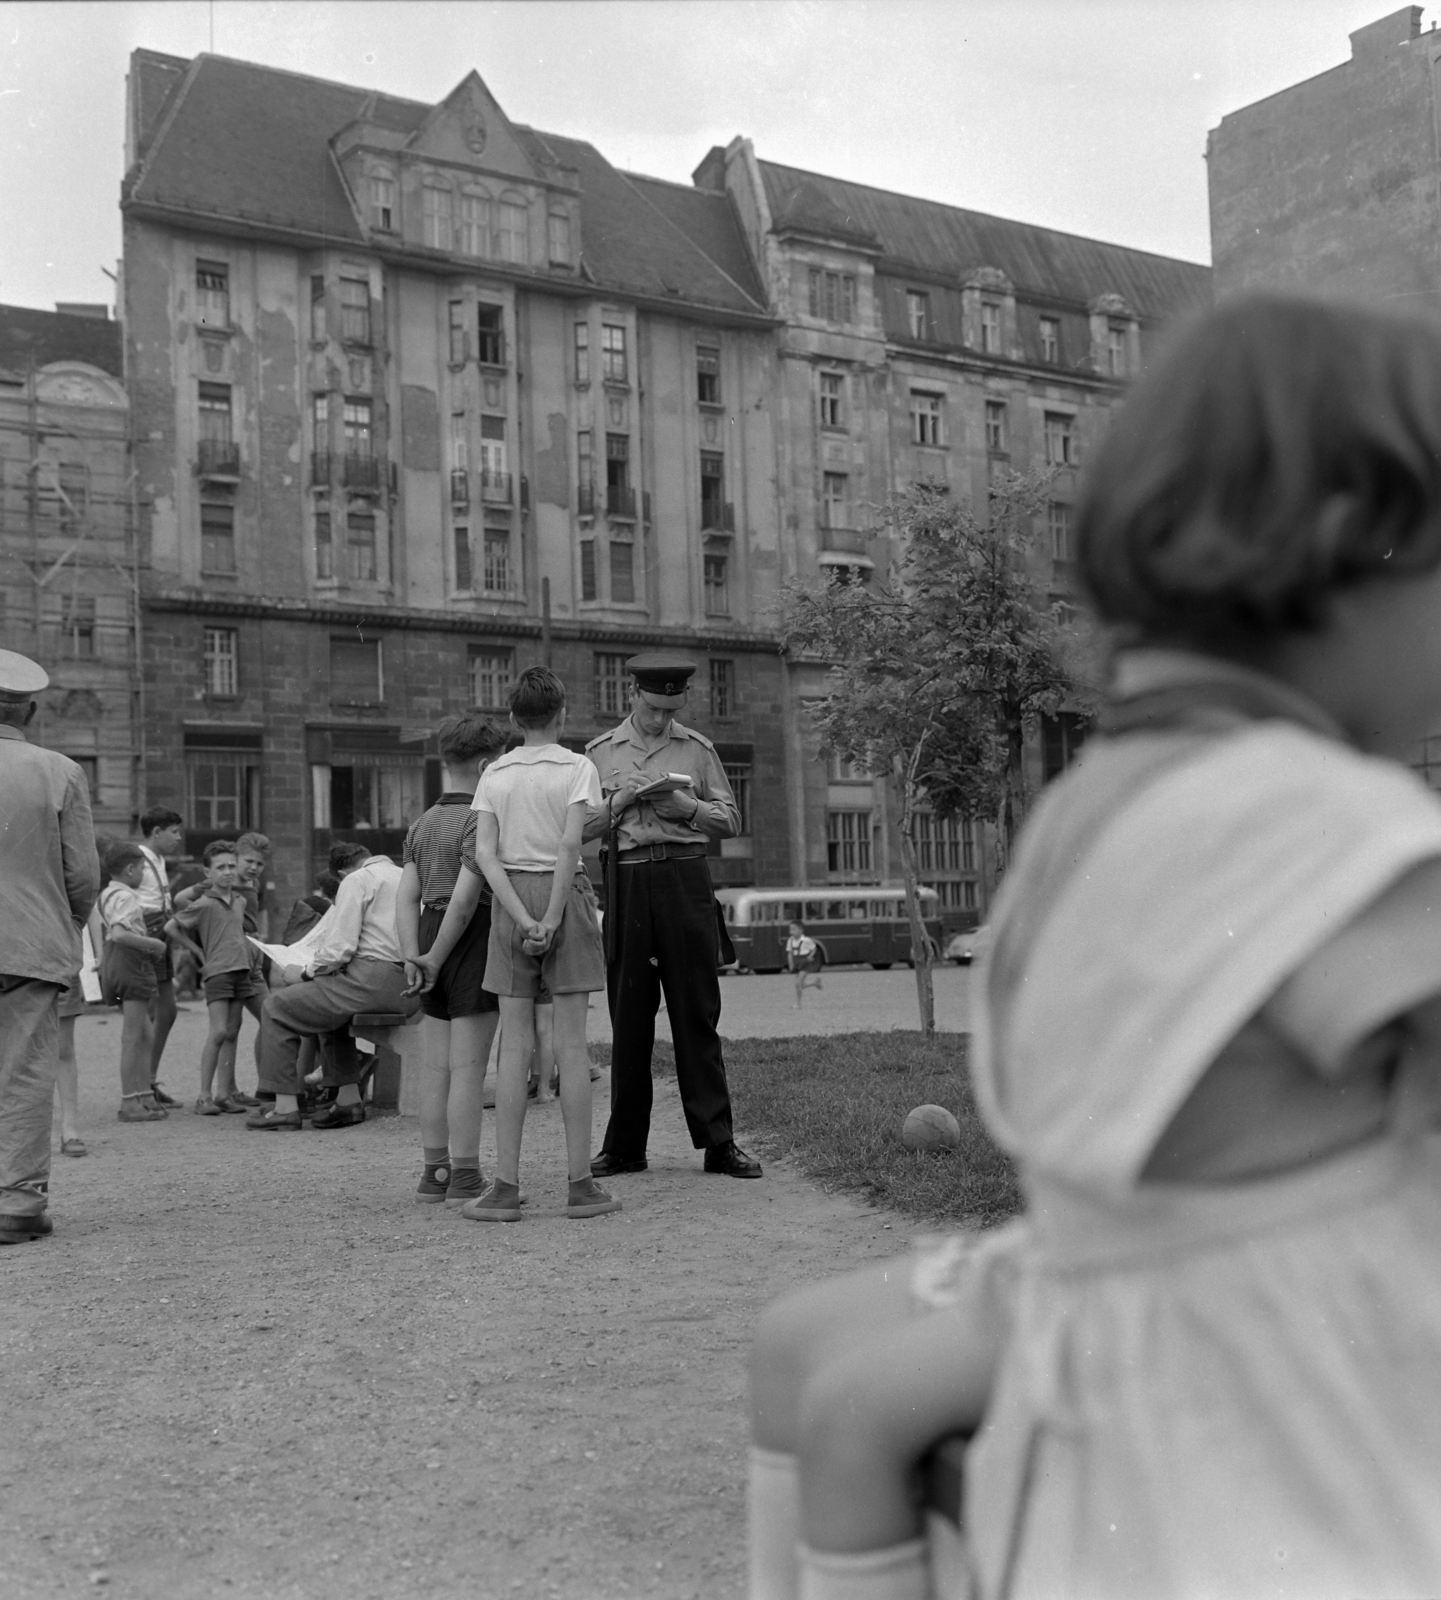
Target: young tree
{"x": 938, "y": 675}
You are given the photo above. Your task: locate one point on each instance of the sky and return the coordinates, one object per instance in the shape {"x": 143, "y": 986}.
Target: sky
{"x": 1085, "y": 115}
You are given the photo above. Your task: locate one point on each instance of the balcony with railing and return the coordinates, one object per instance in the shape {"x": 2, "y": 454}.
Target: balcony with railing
{"x": 620, "y": 501}
{"x": 495, "y": 488}
{"x": 585, "y": 500}
{"x": 363, "y": 472}
{"x": 490, "y": 349}
{"x": 459, "y": 487}
{"x": 844, "y": 541}
{"x": 717, "y": 516}
{"x": 218, "y": 458}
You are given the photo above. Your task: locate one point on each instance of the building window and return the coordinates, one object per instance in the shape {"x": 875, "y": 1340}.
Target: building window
{"x": 212, "y": 294}
{"x": 557, "y": 233}
{"x": 712, "y": 490}
{"x": 998, "y": 433}
{"x": 832, "y": 295}
{"x": 492, "y": 672}
{"x": 848, "y": 843}
{"x": 944, "y": 844}
{"x": 359, "y": 436}
{"x": 474, "y": 230}
{"x": 738, "y": 776}
{"x": 622, "y": 572}
{"x": 832, "y": 390}
{"x": 436, "y": 215}
{"x": 918, "y": 313}
{"x": 610, "y": 685}
{"x": 1050, "y": 340}
{"x": 619, "y": 496}
{"x": 587, "y": 569}
{"x": 494, "y": 478}
{"x": 463, "y": 575}
{"x": 990, "y": 327}
{"x": 320, "y": 422}
{"x": 355, "y": 310}
{"x": 370, "y": 792}
{"x": 319, "y": 319}
{"x": 77, "y": 625}
{"x": 612, "y": 353}
{"x": 722, "y": 689}
{"x": 217, "y": 538}
{"x": 497, "y": 560}
{"x": 1061, "y": 739}
{"x": 843, "y": 770}
{"x": 457, "y": 332}
{"x": 223, "y": 787}
{"x": 90, "y": 766}
{"x": 585, "y": 472}
{"x": 582, "y": 353}
{"x": 382, "y": 200}
{"x": 1116, "y": 350}
{"x": 510, "y": 229}
{"x": 490, "y": 336}
{"x": 717, "y": 586}
{"x": 324, "y": 556}
{"x": 925, "y": 419}
{"x": 1060, "y": 440}
{"x": 356, "y": 675}
{"x": 222, "y": 659}
{"x": 1058, "y": 529}
{"x": 707, "y": 375}
{"x": 360, "y": 545}
{"x": 835, "y": 500}
{"x": 216, "y": 452}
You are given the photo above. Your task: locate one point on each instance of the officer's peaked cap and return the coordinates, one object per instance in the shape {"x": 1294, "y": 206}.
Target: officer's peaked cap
{"x": 662, "y": 677}
{"x": 20, "y": 677}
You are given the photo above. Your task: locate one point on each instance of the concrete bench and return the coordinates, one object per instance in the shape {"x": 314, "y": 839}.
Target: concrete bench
{"x": 399, "y": 1055}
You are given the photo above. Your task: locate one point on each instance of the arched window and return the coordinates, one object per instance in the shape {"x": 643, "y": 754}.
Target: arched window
{"x": 474, "y": 231}
{"x": 382, "y": 199}
{"x": 510, "y": 229}
{"x": 438, "y": 226}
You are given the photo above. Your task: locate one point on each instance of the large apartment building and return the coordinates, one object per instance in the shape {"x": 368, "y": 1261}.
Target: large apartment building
{"x": 421, "y": 397}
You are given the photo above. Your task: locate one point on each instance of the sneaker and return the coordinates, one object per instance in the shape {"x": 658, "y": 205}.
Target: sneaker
{"x": 434, "y": 1185}
{"x": 135, "y": 1109}
{"x": 159, "y": 1096}
{"x": 206, "y": 1107}
{"x": 499, "y": 1203}
{"x": 588, "y": 1199}
{"x": 466, "y": 1184}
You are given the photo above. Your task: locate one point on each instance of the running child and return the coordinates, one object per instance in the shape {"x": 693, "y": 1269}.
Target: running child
{"x": 128, "y": 978}
{"x": 803, "y": 957}
{"x": 1209, "y": 1034}
{"x": 531, "y": 807}
{"x": 444, "y": 953}
{"x": 217, "y": 919}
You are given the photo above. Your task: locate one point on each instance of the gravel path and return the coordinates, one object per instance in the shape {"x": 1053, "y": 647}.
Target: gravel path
{"x": 252, "y": 1366}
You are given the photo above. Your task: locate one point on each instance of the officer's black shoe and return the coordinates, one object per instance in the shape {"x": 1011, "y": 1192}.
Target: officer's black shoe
{"x": 731, "y": 1160}
{"x": 607, "y": 1165}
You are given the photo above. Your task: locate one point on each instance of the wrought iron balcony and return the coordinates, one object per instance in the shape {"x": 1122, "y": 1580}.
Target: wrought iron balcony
{"x": 362, "y": 472}
{"x": 620, "y": 501}
{"x": 218, "y": 458}
{"x": 495, "y": 487}
{"x": 717, "y": 516}
{"x": 844, "y": 541}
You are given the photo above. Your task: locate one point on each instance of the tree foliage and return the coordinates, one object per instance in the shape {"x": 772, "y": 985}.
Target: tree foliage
{"x": 938, "y": 674}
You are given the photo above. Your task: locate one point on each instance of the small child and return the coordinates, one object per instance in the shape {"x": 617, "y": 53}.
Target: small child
{"x": 128, "y": 980}
{"x": 531, "y": 809}
{"x": 217, "y": 917}
{"x": 1208, "y": 1032}
{"x": 803, "y": 956}
{"x": 442, "y": 916}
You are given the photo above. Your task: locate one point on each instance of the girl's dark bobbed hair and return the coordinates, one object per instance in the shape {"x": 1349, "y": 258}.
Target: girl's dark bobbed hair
{"x": 1277, "y": 450}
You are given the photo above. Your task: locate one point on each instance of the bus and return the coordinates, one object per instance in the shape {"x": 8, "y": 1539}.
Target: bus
{"x": 850, "y": 922}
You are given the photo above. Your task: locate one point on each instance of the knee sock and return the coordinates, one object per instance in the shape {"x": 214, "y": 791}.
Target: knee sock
{"x": 773, "y": 1509}
{"x": 902, "y": 1572}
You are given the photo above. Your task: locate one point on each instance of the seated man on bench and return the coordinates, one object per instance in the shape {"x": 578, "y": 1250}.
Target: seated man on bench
{"x": 357, "y": 968}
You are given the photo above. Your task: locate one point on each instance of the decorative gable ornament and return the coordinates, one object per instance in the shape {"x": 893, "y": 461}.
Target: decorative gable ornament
{"x": 476, "y": 132}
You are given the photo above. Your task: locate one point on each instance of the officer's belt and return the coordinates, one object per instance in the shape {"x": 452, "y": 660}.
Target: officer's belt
{"x": 660, "y": 852}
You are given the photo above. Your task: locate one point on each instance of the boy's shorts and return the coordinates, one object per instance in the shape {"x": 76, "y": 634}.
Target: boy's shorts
{"x": 72, "y": 998}
{"x": 238, "y": 984}
{"x": 155, "y": 926}
{"x": 458, "y": 990}
{"x": 127, "y": 974}
{"x": 575, "y": 961}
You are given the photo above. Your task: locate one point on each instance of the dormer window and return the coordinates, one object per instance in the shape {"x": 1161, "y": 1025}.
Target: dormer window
{"x": 832, "y": 295}
{"x": 437, "y": 214}
{"x": 918, "y": 313}
{"x": 510, "y": 230}
{"x": 1116, "y": 349}
{"x": 382, "y": 199}
{"x": 558, "y": 238}
{"x": 990, "y": 327}
{"x": 474, "y": 230}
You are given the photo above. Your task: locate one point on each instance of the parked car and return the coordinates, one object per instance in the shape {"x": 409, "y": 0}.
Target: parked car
{"x": 965, "y": 947}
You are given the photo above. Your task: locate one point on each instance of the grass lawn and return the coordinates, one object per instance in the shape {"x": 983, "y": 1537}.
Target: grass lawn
{"x": 835, "y": 1105}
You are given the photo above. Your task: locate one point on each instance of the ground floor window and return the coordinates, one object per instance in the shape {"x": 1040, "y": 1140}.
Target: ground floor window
{"x": 371, "y": 790}
{"x": 848, "y": 843}
{"x": 224, "y": 791}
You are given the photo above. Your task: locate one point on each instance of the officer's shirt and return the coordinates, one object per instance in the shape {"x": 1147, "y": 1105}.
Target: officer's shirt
{"x": 621, "y": 757}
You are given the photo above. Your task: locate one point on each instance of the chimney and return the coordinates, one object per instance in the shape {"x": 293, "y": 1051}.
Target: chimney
{"x": 1376, "y": 38}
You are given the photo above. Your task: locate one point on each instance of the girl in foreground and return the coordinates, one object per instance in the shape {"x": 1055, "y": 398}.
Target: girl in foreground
{"x": 1206, "y": 1362}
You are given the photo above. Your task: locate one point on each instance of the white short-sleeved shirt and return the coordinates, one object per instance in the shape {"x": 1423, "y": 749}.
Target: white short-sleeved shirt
{"x": 529, "y": 792}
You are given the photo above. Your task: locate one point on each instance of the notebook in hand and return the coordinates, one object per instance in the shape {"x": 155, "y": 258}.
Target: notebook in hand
{"x": 667, "y": 783}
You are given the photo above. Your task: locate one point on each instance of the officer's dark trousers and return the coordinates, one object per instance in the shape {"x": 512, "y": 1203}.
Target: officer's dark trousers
{"x": 667, "y": 942}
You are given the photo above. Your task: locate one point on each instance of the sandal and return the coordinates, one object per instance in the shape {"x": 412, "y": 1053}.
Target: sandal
{"x": 73, "y": 1147}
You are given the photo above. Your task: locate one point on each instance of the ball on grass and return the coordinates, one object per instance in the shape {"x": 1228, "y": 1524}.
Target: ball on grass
{"x": 930, "y": 1128}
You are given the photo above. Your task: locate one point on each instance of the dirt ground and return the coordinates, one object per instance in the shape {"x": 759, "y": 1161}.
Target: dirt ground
{"x": 251, "y": 1365}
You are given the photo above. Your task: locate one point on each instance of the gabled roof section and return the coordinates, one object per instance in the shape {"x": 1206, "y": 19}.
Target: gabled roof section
{"x": 153, "y": 79}
{"x": 949, "y": 242}
{"x": 469, "y": 127}
{"x": 35, "y": 337}
{"x": 808, "y": 208}
{"x": 709, "y": 221}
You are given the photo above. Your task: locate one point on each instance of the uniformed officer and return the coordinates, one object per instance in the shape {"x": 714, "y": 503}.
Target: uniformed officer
{"x": 661, "y": 928}
{"x": 49, "y": 877}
